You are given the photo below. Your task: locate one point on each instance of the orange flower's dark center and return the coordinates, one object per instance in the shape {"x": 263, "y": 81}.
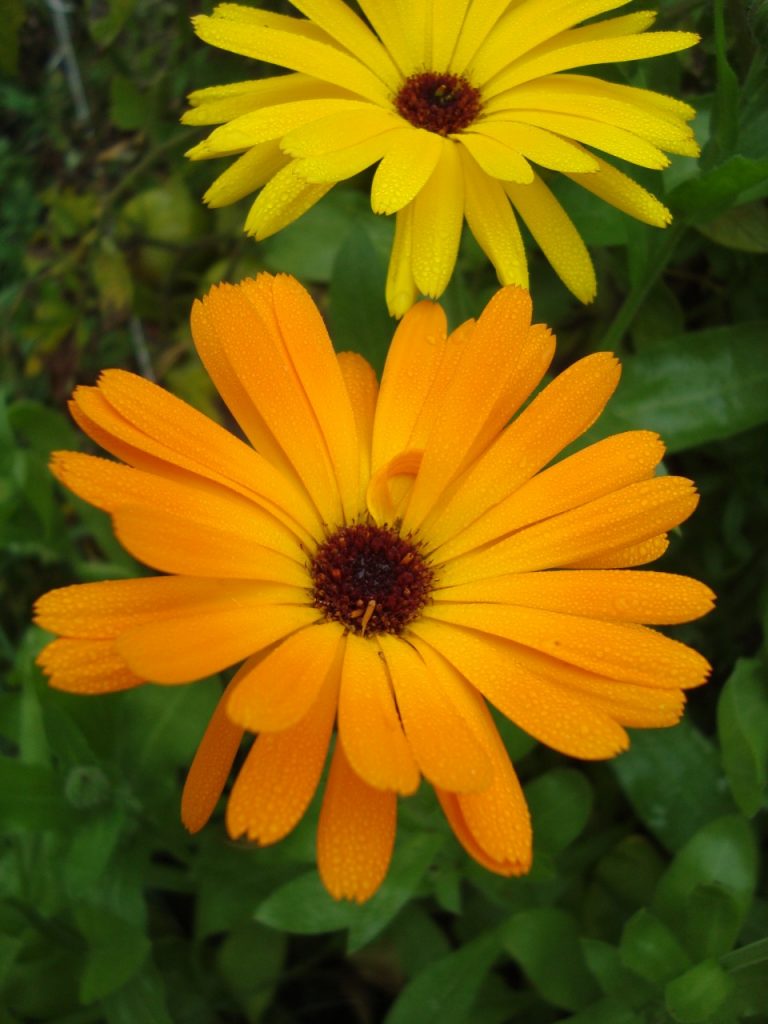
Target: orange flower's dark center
{"x": 439, "y": 102}
{"x": 370, "y": 578}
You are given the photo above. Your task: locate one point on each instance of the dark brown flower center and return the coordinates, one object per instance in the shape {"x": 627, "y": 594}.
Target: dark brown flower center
{"x": 370, "y": 578}
{"x": 439, "y": 102}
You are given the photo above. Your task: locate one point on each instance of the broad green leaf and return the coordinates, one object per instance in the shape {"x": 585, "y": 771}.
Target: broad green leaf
{"x": 606, "y": 966}
{"x": 445, "y": 990}
{"x": 106, "y": 19}
{"x": 697, "y": 387}
{"x": 631, "y": 870}
{"x": 714, "y": 191}
{"x": 744, "y": 228}
{"x": 418, "y": 939}
{"x": 31, "y": 796}
{"x": 713, "y": 921}
{"x": 742, "y": 726}
{"x": 672, "y": 779}
{"x": 250, "y": 960}
{"x": 544, "y": 936}
{"x": 724, "y": 853}
{"x": 116, "y": 951}
{"x": 112, "y": 278}
{"x": 90, "y": 850}
{"x": 357, "y": 309}
{"x": 650, "y": 949}
{"x": 750, "y": 992}
{"x": 142, "y": 999}
{"x": 610, "y": 1010}
{"x": 304, "y": 907}
{"x": 560, "y": 803}
{"x": 411, "y": 860}
{"x": 698, "y": 994}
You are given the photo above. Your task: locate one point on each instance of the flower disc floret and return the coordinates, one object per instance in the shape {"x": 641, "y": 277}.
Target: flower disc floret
{"x": 439, "y": 102}
{"x": 370, "y": 579}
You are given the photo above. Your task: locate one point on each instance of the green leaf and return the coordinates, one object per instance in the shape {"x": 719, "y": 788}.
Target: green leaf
{"x": 250, "y": 959}
{"x": 142, "y": 999}
{"x": 742, "y": 726}
{"x": 712, "y": 192}
{"x": 698, "y": 994}
{"x": 697, "y": 387}
{"x": 721, "y": 853}
{"x": 116, "y": 951}
{"x": 672, "y": 779}
{"x": 106, "y": 19}
{"x": 112, "y": 278}
{"x": 304, "y": 907}
{"x": 650, "y": 949}
{"x": 31, "y": 796}
{"x": 411, "y": 860}
{"x": 605, "y": 964}
{"x": 744, "y": 228}
{"x": 357, "y": 309}
{"x": 725, "y": 108}
{"x": 712, "y": 923}
{"x": 539, "y": 938}
{"x": 445, "y": 991}
{"x": 631, "y": 870}
{"x": 418, "y": 939}
{"x": 560, "y": 803}
{"x": 606, "y": 1011}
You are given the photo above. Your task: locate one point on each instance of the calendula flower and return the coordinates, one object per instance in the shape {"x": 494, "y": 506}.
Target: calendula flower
{"x": 459, "y": 103}
{"x": 384, "y": 561}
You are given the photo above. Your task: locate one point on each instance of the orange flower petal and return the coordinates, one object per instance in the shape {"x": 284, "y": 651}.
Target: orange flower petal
{"x": 279, "y": 689}
{"x": 355, "y": 834}
{"x": 369, "y": 727}
{"x": 653, "y": 598}
{"x": 363, "y": 389}
{"x": 624, "y": 557}
{"x": 280, "y": 775}
{"x": 86, "y": 666}
{"x": 445, "y": 747}
{"x": 182, "y": 649}
{"x": 211, "y": 764}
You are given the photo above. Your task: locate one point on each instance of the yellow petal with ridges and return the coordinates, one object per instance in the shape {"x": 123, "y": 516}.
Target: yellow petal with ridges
{"x": 492, "y": 221}
{"x": 196, "y": 645}
{"x": 609, "y": 138}
{"x": 401, "y": 291}
{"x": 222, "y": 103}
{"x": 339, "y": 131}
{"x": 480, "y": 20}
{"x": 633, "y": 514}
{"x": 562, "y": 411}
{"x": 280, "y": 775}
{"x": 289, "y": 46}
{"x": 408, "y": 164}
{"x": 444, "y": 746}
{"x": 446, "y": 23}
{"x": 247, "y": 174}
{"x": 652, "y": 598}
{"x": 370, "y": 729}
{"x": 438, "y": 216}
{"x": 279, "y": 689}
{"x": 282, "y": 201}
{"x": 86, "y": 666}
{"x": 542, "y": 147}
{"x": 388, "y": 25}
{"x": 625, "y": 194}
{"x": 556, "y": 234}
{"x": 345, "y": 163}
{"x": 355, "y": 833}
{"x": 211, "y": 764}
{"x": 495, "y": 158}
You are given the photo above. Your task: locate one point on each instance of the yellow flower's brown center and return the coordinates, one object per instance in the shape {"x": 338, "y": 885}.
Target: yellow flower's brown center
{"x": 439, "y": 102}
{"x": 370, "y": 579}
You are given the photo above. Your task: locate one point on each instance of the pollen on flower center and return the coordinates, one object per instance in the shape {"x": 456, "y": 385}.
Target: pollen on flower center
{"x": 370, "y": 578}
{"x": 439, "y": 102}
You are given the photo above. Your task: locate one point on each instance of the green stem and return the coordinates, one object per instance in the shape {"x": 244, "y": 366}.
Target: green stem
{"x": 638, "y": 294}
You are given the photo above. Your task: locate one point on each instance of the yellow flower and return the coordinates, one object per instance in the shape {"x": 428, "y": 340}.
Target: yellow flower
{"x": 382, "y": 559}
{"x": 457, "y": 102}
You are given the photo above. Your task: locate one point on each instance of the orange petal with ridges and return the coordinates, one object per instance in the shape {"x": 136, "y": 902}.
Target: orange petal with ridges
{"x": 182, "y": 649}
{"x": 105, "y": 609}
{"x": 211, "y": 764}
{"x": 355, "y": 834}
{"x": 363, "y": 389}
{"x": 564, "y": 721}
{"x": 653, "y": 598}
{"x": 624, "y": 557}
{"x": 369, "y": 727}
{"x": 86, "y": 666}
{"x": 280, "y": 775}
{"x": 619, "y": 519}
{"x": 633, "y": 653}
{"x": 280, "y": 688}
{"x": 446, "y": 749}
{"x": 562, "y": 411}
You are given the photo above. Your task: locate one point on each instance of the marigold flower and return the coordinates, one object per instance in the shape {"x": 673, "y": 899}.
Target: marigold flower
{"x": 458, "y": 103}
{"x": 382, "y": 560}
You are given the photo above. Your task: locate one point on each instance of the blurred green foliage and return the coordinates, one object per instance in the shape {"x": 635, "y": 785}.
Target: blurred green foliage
{"x": 646, "y": 904}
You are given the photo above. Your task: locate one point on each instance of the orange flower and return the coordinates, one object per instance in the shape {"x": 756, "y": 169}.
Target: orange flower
{"x": 382, "y": 560}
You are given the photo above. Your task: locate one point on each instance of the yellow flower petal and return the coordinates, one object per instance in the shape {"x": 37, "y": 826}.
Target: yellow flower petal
{"x": 625, "y": 194}
{"x": 388, "y": 25}
{"x": 407, "y": 165}
{"x": 222, "y": 103}
{"x": 609, "y": 138}
{"x": 540, "y": 146}
{"x": 492, "y": 221}
{"x": 281, "y": 773}
{"x": 495, "y": 158}
{"x": 339, "y": 131}
{"x": 290, "y": 45}
{"x": 211, "y": 765}
{"x": 556, "y": 234}
{"x": 401, "y": 291}
{"x": 446, "y": 26}
{"x": 279, "y": 689}
{"x": 370, "y": 729}
{"x": 195, "y": 645}
{"x": 438, "y": 214}
{"x": 355, "y": 834}
{"x": 344, "y": 163}
{"x": 282, "y": 200}
{"x": 445, "y": 748}
{"x": 248, "y": 173}
{"x": 480, "y": 20}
